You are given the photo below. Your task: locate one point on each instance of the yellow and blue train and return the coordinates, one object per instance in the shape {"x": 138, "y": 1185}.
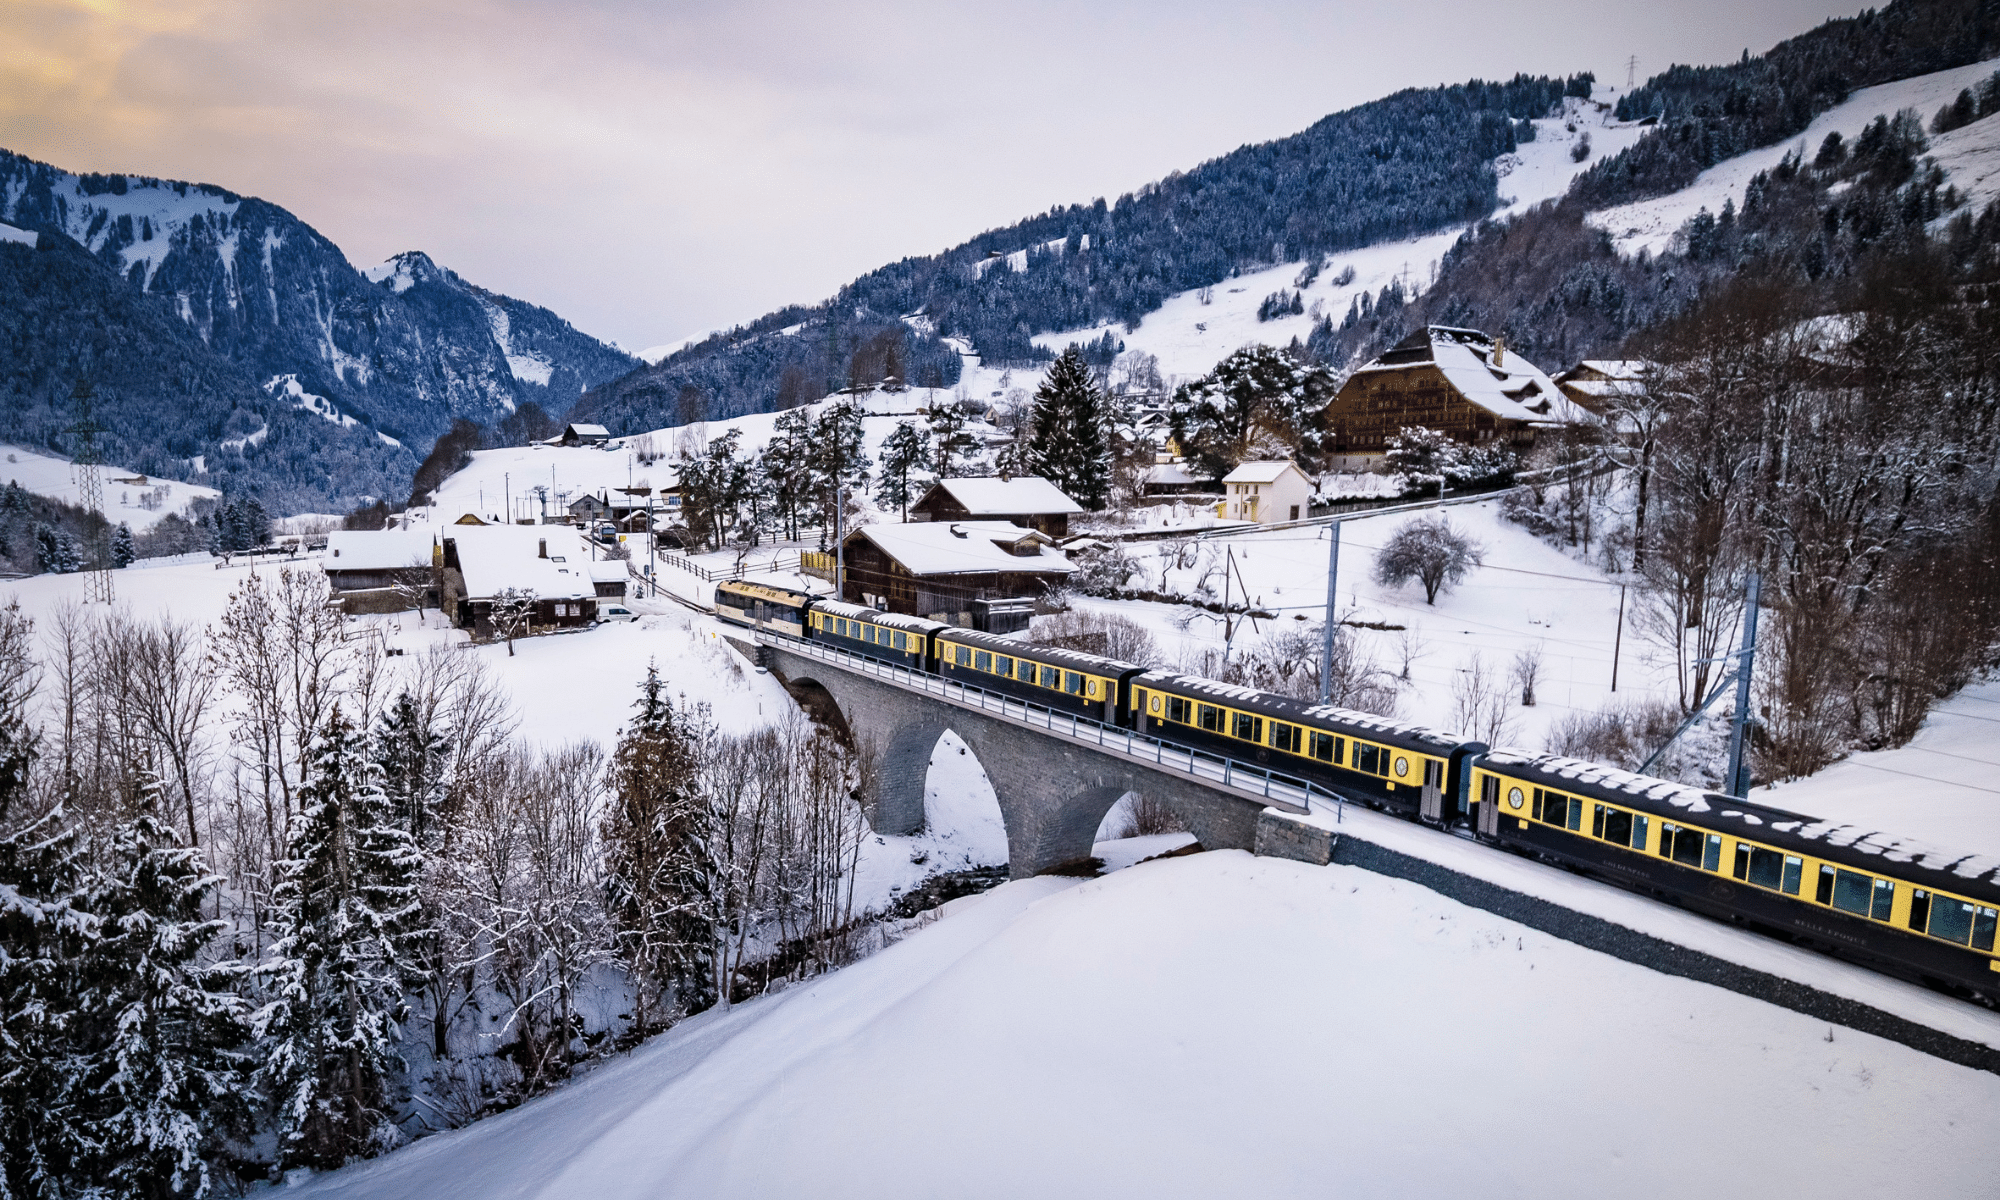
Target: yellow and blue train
{"x": 1870, "y": 897}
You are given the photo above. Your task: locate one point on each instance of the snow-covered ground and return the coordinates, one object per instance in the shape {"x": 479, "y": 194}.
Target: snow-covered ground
{"x": 1971, "y": 156}
{"x": 1223, "y": 1025}
{"x": 134, "y": 504}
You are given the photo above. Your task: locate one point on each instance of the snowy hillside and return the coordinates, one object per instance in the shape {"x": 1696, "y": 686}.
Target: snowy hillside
{"x": 139, "y": 505}
{"x": 1222, "y": 1025}
{"x": 1971, "y": 156}
{"x": 1194, "y": 330}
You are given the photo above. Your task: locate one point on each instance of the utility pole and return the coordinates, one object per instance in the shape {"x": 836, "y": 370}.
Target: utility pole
{"x": 1631, "y": 71}
{"x": 1739, "y": 775}
{"x": 90, "y": 488}
{"x": 839, "y": 541}
{"x": 1618, "y": 639}
{"x": 1332, "y": 619}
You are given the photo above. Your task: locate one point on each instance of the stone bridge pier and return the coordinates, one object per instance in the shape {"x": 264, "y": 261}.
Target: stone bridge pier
{"x": 1053, "y": 792}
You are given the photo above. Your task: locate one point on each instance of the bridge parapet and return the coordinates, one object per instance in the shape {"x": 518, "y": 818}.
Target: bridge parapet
{"x": 1055, "y": 774}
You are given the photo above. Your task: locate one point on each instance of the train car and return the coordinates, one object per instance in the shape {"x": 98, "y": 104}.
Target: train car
{"x": 891, "y": 637}
{"x": 762, "y": 606}
{"x": 1873, "y": 898}
{"x": 1066, "y": 680}
{"x": 1398, "y": 766}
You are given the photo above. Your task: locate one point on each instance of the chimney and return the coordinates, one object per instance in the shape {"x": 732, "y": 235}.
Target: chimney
{"x": 1500, "y": 351}
{"x": 544, "y": 544}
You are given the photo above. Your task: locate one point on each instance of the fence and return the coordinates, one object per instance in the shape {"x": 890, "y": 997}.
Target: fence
{"x": 735, "y": 571}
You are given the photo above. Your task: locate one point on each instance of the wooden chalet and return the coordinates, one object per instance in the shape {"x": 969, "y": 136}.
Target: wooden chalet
{"x": 579, "y": 434}
{"x": 381, "y": 570}
{"x": 1028, "y": 501}
{"x": 1598, "y": 384}
{"x": 1459, "y": 381}
{"x": 479, "y": 565}
{"x": 951, "y": 571}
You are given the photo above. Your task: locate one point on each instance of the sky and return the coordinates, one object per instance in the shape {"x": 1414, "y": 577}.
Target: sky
{"x": 652, "y": 171}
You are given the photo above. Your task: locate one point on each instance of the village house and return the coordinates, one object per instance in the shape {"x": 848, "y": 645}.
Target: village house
{"x": 1458, "y": 381}
{"x": 1266, "y": 492}
{"x": 1598, "y": 384}
{"x": 381, "y": 570}
{"x": 1027, "y": 500}
{"x": 1171, "y": 478}
{"x": 977, "y": 574}
{"x": 583, "y": 435}
{"x": 481, "y": 565}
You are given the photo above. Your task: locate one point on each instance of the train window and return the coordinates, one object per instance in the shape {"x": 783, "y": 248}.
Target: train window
{"x": 1177, "y": 709}
{"x": 1285, "y": 737}
{"x": 1433, "y": 773}
{"x": 1711, "y": 854}
{"x": 1951, "y": 919}
{"x": 1613, "y": 825}
{"x": 1326, "y": 747}
{"x": 1402, "y": 767}
{"x": 1002, "y": 665}
{"x": 1049, "y": 678}
{"x": 982, "y": 661}
{"x": 1687, "y": 846}
{"x": 1489, "y": 790}
{"x": 1365, "y": 757}
{"x": 1982, "y": 929}
{"x": 1920, "y": 909}
{"x": 1852, "y": 891}
{"x": 1825, "y": 893}
{"x": 1639, "y": 833}
{"x": 1885, "y": 900}
{"x": 1554, "y": 808}
{"x": 1072, "y": 683}
{"x": 1514, "y": 798}
{"x": 1794, "y": 867}
{"x": 1246, "y": 727}
{"x": 965, "y": 656}
{"x": 1209, "y": 717}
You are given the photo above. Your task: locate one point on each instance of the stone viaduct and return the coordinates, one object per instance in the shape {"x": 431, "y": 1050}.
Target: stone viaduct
{"x": 1054, "y": 788}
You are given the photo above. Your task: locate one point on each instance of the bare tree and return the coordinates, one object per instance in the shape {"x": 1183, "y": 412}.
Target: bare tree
{"x": 1429, "y": 551}
{"x": 1527, "y": 672}
{"x": 1479, "y": 702}
{"x": 511, "y": 612}
{"x": 172, "y": 684}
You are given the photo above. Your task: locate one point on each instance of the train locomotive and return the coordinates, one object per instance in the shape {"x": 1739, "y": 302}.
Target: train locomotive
{"x": 1873, "y": 898}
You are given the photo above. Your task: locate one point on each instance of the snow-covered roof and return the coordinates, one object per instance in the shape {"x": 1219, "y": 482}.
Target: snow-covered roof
{"x": 1262, "y": 471}
{"x": 377, "y": 549}
{"x": 1625, "y": 369}
{"x": 1516, "y": 389}
{"x": 1171, "y": 473}
{"x": 582, "y": 430}
{"x": 494, "y": 558}
{"x": 608, "y": 570}
{"x": 1003, "y": 497}
{"x": 958, "y": 547}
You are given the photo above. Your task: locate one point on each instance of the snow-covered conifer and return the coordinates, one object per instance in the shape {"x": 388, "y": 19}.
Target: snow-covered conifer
{"x": 1070, "y": 446}
{"x": 347, "y": 916}
{"x": 411, "y": 756}
{"x": 906, "y": 449}
{"x": 122, "y": 550}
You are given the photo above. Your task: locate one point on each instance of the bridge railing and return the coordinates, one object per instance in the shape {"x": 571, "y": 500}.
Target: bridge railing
{"x": 1277, "y": 788}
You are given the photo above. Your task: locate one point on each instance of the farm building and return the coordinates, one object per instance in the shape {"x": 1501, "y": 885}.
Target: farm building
{"x": 1456, "y": 380}
{"x": 952, "y": 571}
{"x": 381, "y": 570}
{"x": 482, "y": 564}
{"x": 1028, "y": 501}
{"x": 1266, "y": 492}
{"x": 583, "y": 435}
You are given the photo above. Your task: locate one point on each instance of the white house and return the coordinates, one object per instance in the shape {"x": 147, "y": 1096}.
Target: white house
{"x": 1266, "y": 492}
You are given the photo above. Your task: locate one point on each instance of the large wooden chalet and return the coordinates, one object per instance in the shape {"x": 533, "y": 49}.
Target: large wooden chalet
{"x": 1028, "y": 501}
{"x": 1459, "y": 381}
{"x": 957, "y": 572}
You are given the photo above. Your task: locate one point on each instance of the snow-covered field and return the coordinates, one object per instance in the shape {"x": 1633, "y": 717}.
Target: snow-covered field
{"x": 1223, "y": 1025}
{"x": 1971, "y": 156}
{"x": 123, "y": 502}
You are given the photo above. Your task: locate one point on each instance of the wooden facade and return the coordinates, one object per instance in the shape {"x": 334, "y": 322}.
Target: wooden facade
{"x": 874, "y": 578}
{"x": 1457, "y": 381}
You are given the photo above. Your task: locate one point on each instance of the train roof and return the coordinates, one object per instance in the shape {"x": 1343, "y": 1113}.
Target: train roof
{"x": 1074, "y": 659}
{"x": 763, "y": 591}
{"x": 1908, "y": 859}
{"x": 860, "y": 612}
{"x": 1386, "y": 729}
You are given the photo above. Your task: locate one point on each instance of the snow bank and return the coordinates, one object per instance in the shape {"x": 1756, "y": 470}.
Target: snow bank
{"x": 1223, "y": 1025}
{"x": 124, "y": 502}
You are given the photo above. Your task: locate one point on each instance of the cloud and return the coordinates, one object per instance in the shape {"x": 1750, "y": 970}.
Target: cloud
{"x": 649, "y": 170}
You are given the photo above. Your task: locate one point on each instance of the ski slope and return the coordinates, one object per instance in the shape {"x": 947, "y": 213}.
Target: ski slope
{"x": 124, "y": 503}
{"x": 1970, "y": 156}
{"x": 1223, "y": 1025}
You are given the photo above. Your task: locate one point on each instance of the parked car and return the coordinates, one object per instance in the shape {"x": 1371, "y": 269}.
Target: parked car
{"x": 607, "y": 613}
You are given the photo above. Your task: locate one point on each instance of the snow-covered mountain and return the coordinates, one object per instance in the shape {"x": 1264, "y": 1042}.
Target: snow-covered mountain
{"x": 403, "y": 349}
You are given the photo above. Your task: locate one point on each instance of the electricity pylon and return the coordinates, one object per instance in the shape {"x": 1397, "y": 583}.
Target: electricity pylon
{"x": 84, "y": 461}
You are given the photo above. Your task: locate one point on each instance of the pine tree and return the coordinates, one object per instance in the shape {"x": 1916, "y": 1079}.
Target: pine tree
{"x": 1258, "y": 402}
{"x": 906, "y": 449}
{"x": 122, "y": 551}
{"x": 839, "y": 460}
{"x": 347, "y": 917}
{"x": 48, "y": 549}
{"x": 950, "y": 444}
{"x": 663, "y": 875}
{"x": 1070, "y": 446}
{"x": 411, "y": 756}
{"x": 162, "y": 1078}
